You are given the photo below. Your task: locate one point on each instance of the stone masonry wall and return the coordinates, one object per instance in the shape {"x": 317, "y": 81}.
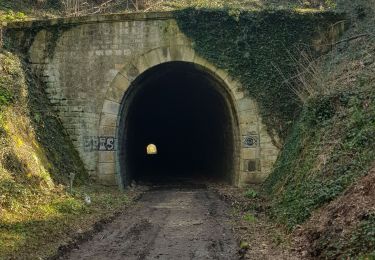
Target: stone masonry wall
{"x": 89, "y": 65}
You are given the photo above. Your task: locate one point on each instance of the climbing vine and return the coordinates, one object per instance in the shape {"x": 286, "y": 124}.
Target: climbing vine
{"x": 259, "y": 49}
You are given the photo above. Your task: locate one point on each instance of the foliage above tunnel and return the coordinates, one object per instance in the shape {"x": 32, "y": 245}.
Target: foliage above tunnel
{"x": 261, "y": 50}
{"x": 48, "y": 8}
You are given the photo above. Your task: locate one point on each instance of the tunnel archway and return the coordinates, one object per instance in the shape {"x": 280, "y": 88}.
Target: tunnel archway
{"x": 187, "y": 116}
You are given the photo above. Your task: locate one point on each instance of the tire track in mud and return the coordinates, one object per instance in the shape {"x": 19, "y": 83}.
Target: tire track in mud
{"x": 173, "y": 223}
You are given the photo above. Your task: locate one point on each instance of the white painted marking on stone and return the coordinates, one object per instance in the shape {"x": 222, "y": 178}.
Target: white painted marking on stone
{"x": 99, "y": 53}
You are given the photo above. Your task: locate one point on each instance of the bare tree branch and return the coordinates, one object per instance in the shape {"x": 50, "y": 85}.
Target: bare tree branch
{"x": 352, "y": 38}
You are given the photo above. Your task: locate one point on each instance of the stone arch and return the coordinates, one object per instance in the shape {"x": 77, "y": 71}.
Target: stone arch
{"x": 242, "y": 106}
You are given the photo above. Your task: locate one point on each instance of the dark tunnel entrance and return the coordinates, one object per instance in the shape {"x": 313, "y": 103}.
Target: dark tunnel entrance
{"x": 176, "y": 123}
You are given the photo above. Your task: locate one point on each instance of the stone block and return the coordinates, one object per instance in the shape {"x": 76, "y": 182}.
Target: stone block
{"x": 252, "y": 177}
{"x": 176, "y": 53}
{"x": 247, "y": 127}
{"x": 119, "y": 67}
{"x": 188, "y": 54}
{"x": 249, "y": 153}
{"x": 106, "y": 168}
{"x": 154, "y": 57}
{"x": 272, "y": 158}
{"x": 115, "y": 94}
{"x": 107, "y": 131}
{"x": 245, "y": 104}
{"x": 222, "y": 74}
{"x": 273, "y": 151}
{"x": 251, "y": 165}
{"x": 141, "y": 64}
{"x": 108, "y": 179}
{"x": 107, "y": 156}
{"x": 205, "y": 64}
{"x": 267, "y": 143}
{"x": 131, "y": 72}
{"x": 165, "y": 54}
{"x": 238, "y": 93}
{"x": 99, "y": 52}
{"x": 111, "y": 107}
{"x": 108, "y": 120}
{"x": 117, "y": 88}
{"x": 247, "y": 117}
{"x": 181, "y": 39}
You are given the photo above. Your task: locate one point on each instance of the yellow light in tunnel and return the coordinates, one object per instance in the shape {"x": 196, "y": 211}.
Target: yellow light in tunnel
{"x": 152, "y": 149}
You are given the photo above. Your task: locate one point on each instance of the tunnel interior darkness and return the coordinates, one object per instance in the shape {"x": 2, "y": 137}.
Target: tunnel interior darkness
{"x": 183, "y": 113}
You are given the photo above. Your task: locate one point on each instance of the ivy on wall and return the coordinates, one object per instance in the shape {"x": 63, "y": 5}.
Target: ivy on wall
{"x": 331, "y": 145}
{"x": 259, "y": 49}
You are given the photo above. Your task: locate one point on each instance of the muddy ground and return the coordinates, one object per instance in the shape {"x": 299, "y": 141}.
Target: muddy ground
{"x": 166, "y": 223}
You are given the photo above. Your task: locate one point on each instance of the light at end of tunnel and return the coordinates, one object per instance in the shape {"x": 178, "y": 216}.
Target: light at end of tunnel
{"x": 152, "y": 149}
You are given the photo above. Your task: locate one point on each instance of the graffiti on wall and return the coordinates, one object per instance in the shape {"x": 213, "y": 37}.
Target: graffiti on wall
{"x": 99, "y": 143}
{"x": 250, "y": 141}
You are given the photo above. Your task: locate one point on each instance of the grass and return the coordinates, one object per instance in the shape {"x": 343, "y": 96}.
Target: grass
{"x": 251, "y": 193}
{"x": 53, "y": 8}
{"x": 249, "y": 217}
{"x": 5, "y": 97}
{"x": 36, "y": 158}
{"x": 24, "y": 9}
{"x": 36, "y": 230}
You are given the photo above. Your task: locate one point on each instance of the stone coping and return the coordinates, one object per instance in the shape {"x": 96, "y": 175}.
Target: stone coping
{"x": 99, "y": 18}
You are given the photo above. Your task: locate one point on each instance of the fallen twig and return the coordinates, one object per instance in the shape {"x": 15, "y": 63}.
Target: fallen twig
{"x": 352, "y": 38}
{"x": 99, "y": 8}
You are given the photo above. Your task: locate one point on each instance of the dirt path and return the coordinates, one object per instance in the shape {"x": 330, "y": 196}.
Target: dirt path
{"x": 171, "y": 223}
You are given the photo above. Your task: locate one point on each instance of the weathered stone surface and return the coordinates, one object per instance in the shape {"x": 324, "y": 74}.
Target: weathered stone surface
{"x": 249, "y": 153}
{"x": 107, "y": 168}
{"x": 251, "y": 177}
{"x": 93, "y": 62}
{"x": 108, "y": 120}
{"x": 111, "y": 107}
{"x": 107, "y": 156}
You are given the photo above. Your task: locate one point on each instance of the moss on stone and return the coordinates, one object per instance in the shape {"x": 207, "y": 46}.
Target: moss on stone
{"x": 259, "y": 49}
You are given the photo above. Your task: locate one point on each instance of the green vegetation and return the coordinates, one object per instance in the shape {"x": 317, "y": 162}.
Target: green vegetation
{"x": 251, "y": 194}
{"x": 5, "y": 97}
{"x": 28, "y": 9}
{"x": 331, "y": 144}
{"x": 249, "y": 5}
{"x": 48, "y": 8}
{"x": 360, "y": 243}
{"x": 244, "y": 245}
{"x": 54, "y": 220}
{"x": 320, "y": 111}
{"x": 329, "y": 147}
{"x": 325, "y": 115}
{"x": 363, "y": 240}
{"x": 258, "y": 49}
{"x": 249, "y": 217}
{"x": 11, "y": 16}
{"x": 37, "y": 214}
